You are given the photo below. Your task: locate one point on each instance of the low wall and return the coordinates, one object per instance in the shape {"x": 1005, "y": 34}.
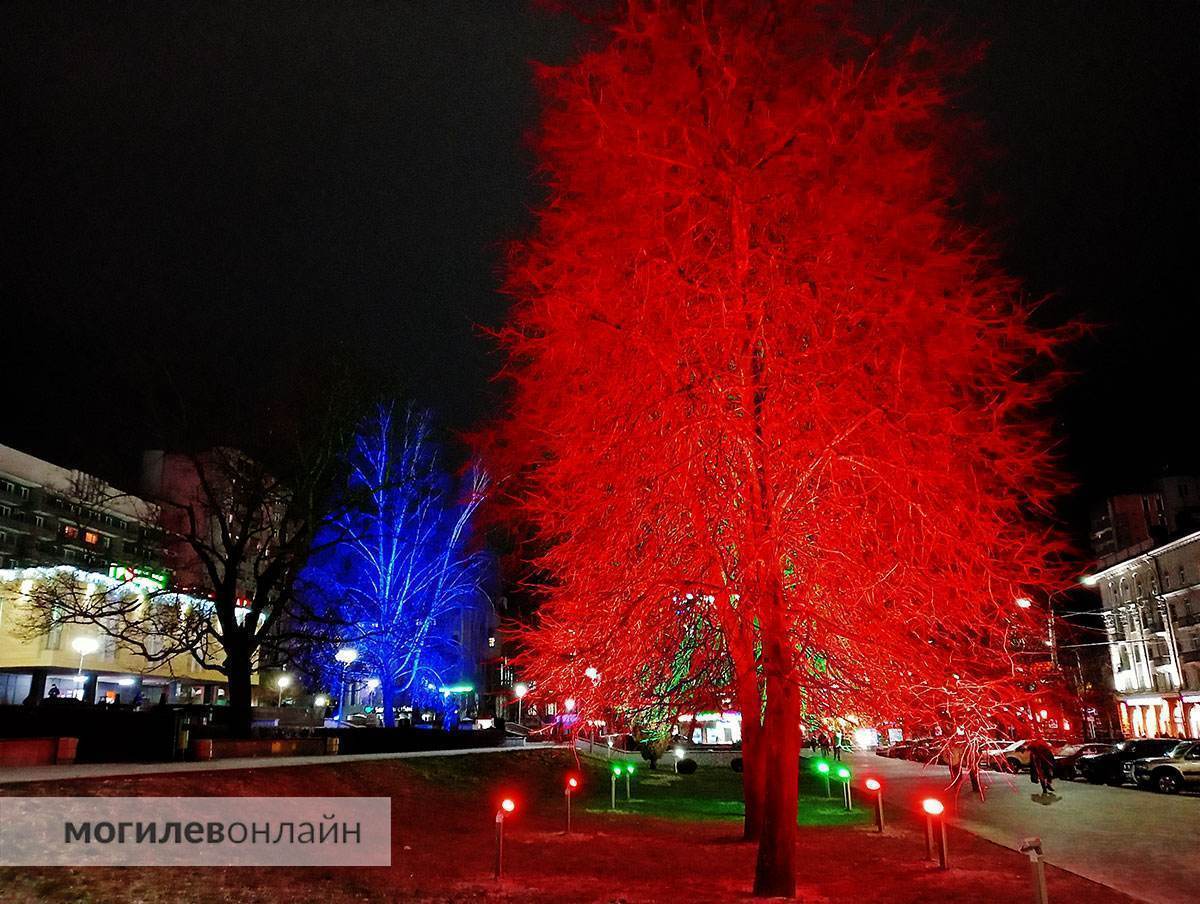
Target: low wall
{"x": 406, "y": 740}
{"x": 231, "y": 748}
{"x": 37, "y": 751}
{"x": 704, "y": 756}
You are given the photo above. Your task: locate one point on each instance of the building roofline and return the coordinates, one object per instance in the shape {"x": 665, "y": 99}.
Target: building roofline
{"x": 1150, "y": 553}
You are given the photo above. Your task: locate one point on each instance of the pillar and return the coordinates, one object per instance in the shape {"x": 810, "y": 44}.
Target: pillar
{"x": 37, "y": 686}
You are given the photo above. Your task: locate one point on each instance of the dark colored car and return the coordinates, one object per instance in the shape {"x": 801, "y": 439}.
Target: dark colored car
{"x": 899, "y": 750}
{"x": 1065, "y": 759}
{"x": 1110, "y": 767}
{"x": 1171, "y": 773}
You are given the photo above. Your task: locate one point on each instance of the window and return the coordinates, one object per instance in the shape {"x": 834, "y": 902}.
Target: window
{"x": 5, "y": 511}
{"x": 39, "y": 521}
{"x": 23, "y": 492}
{"x": 70, "y": 532}
{"x": 3, "y": 538}
{"x": 90, "y": 537}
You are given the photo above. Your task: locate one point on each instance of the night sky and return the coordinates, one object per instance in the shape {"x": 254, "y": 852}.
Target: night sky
{"x": 226, "y": 203}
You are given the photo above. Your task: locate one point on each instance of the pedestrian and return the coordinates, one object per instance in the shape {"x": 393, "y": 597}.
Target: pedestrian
{"x": 53, "y": 694}
{"x": 837, "y": 746}
{"x": 1041, "y": 765}
{"x": 824, "y": 745}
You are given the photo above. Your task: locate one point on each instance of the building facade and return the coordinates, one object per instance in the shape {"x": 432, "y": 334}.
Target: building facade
{"x": 1151, "y": 611}
{"x": 70, "y": 530}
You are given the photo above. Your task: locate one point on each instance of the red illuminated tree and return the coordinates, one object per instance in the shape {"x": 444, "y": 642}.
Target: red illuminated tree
{"x": 774, "y": 412}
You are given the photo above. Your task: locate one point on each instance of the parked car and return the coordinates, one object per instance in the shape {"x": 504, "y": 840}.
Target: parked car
{"x": 923, "y": 750}
{"x": 1171, "y": 773}
{"x": 1065, "y": 759}
{"x": 1013, "y": 756}
{"x": 899, "y": 750}
{"x": 1109, "y": 767}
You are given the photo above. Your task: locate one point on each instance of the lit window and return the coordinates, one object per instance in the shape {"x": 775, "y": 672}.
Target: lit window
{"x": 70, "y": 532}
{"x": 91, "y": 537}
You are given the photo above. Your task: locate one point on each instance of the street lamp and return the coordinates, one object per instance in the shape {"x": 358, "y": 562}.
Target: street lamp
{"x": 874, "y": 785}
{"x": 281, "y": 682}
{"x": 506, "y": 806}
{"x": 935, "y": 810}
{"x": 520, "y": 689}
{"x": 572, "y": 784}
{"x": 346, "y": 656}
{"x": 84, "y": 646}
{"x": 569, "y": 704}
{"x": 320, "y": 701}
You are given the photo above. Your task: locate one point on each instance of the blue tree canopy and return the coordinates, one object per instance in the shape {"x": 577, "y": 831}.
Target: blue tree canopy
{"x": 399, "y": 567}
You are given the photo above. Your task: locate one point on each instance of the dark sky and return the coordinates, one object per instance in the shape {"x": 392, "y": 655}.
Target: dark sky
{"x": 202, "y": 196}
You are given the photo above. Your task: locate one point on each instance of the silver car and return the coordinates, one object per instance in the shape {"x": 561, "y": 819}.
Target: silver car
{"x": 1170, "y": 774}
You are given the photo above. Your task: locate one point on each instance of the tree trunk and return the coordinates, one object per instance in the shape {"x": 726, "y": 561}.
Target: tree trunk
{"x": 754, "y": 786}
{"x": 775, "y": 871}
{"x": 238, "y": 671}
{"x": 387, "y": 693}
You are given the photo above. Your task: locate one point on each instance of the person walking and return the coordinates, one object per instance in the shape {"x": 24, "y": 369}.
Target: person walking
{"x": 823, "y": 742}
{"x": 1041, "y": 765}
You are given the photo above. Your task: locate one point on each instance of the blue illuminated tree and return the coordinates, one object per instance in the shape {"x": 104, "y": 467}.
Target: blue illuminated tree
{"x": 405, "y": 570}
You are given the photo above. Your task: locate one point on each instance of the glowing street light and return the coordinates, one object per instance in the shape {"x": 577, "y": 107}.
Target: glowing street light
{"x": 347, "y": 656}
{"x": 679, "y": 754}
{"x": 935, "y": 810}
{"x": 281, "y": 682}
{"x": 506, "y": 806}
{"x": 628, "y": 775}
{"x": 1024, "y": 602}
{"x": 520, "y": 689}
{"x": 591, "y": 673}
{"x": 844, "y": 775}
{"x": 569, "y": 704}
{"x": 572, "y": 784}
{"x": 320, "y": 701}
{"x": 874, "y": 785}
{"x": 616, "y": 771}
{"x": 84, "y": 646}
{"x": 823, "y": 769}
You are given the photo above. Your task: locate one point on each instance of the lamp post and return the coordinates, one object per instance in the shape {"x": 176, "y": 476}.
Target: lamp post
{"x": 628, "y": 776}
{"x": 346, "y": 656}
{"x": 844, "y": 774}
{"x": 572, "y": 784}
{"x": 934, "y": 810}
{"x": 506, "y": 806}
{"x": 874, "y": 785}
{"x": 823, "y": 769}
{"x": 372, "y": 686}
{"x": 616, "y": 771}
{"x": 679, "y": 755}
{"x": 520, "y": 689}
{"x": 84, "y": 646}
{"x": 281, "y": 682}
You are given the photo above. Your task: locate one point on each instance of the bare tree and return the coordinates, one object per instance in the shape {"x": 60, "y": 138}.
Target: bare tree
{"x": 236, "y": 534}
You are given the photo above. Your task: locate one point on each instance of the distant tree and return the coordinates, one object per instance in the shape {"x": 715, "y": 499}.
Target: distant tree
{"x": 397, "y": 565}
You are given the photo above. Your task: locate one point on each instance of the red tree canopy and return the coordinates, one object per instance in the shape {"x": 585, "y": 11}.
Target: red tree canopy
{"x": 768, "y": 390}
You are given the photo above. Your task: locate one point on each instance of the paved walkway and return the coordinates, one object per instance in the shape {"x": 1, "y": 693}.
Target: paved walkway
{"x": 1144, "y": 844}
{"x": 20, "y": 775}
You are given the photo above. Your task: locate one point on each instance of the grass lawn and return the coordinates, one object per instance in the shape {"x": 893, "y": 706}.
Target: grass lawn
{"x": 679, "y": 839}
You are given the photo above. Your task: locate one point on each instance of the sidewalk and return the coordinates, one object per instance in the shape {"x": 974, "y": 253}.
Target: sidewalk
{"x": 20, "y": 775}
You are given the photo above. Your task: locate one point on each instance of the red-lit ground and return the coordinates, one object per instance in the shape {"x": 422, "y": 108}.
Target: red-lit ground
{"x": 442, "y": 843}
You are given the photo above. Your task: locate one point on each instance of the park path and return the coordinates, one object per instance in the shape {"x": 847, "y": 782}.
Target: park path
{"x": 20, "y": 775}
{"x": 1143, "y": 844}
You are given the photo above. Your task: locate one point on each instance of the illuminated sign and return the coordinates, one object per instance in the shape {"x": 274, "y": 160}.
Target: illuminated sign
{"x": 144, "y": 579}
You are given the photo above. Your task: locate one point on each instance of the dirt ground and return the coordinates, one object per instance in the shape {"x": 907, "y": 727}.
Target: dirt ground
{"x": 678, "y": 840}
